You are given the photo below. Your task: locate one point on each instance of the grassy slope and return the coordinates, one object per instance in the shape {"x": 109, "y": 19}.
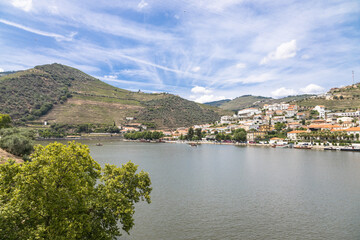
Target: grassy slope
{"x": 350, "y": 101}
{"x": 94, "y": 101}
{"x": 218, "y": 103}
{"x": 247, "y": 101}
{"x": 242, "y": 102}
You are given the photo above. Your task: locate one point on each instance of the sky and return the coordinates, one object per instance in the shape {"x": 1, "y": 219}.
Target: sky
{"x": 201, "y": 50}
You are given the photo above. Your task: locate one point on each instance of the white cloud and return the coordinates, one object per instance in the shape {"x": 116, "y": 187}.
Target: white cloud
{"x": 284, "y": 51}
{"x": 200, "y": 90}
{"x": 196, "y": 69}
{"x": 283, "y": 92}
{"x": 25, "y": 5}
{"x": 264, "y": 77}
{"x": 58, "y": 37}
{"x": 312, "y": 89}
{"x": 241, "y": 65}
{"x": 1, "y": 70}
{"x": 305, "y": 56}
{"x": 142, "y": 4}
{"x": 208, "y": 98}
{"x": 110, "y": 77}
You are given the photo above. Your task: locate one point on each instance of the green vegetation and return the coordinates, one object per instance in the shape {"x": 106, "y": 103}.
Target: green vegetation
{"x": 5, "y": 121}
{"x": 65, "y": 95}
{"x": 60, "y": 130}
{"x": 173, "y": 111}
{"x": 64, "y": 194}
{"x": 238, "y": 135}
{"x": 144, "y": 135}
{"x": 17, "y": 141}
{"x": 248, "y": 101}
{"x": 218, "y": 103}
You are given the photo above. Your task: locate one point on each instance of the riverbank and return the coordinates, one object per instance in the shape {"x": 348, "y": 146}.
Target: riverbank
{"x": 5, "y": 156}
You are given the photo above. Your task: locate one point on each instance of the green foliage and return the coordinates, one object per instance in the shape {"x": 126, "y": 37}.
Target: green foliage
{"x": 64, "y": 194}
{"x": 5, "y": 120}
{"x": 38, "y": 88}
{"x": 144, "y": 135}
{"x": 280, "y": 126}
{"x": 198, "y": 133}
{"x": 222, "y": 137}
{"x": 16, "y": 141}
{"x": 173, "y": 111}
{"x": 239, "y": 135}
{"x": 190, "y": 134}
{"x": 314, "y": 114}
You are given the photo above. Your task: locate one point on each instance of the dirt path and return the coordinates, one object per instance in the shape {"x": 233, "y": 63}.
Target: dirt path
{"x": 4, "y": 156}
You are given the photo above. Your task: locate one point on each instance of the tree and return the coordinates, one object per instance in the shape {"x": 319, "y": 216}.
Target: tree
{"x": 64, "y": 194}
{"x": 198, "y": 133}
{"x": 190, "y": 134}
{"x": 5, "y": 120}
{"x": 239, "y": 135}
{"x": 279, "y": 126}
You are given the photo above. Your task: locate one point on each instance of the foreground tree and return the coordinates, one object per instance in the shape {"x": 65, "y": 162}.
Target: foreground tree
{"x": 64, "y": 194}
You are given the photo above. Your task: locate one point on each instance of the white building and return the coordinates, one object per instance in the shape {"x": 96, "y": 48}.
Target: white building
{"x": 321, "y": 110}
{"x": 276, "y": 106}
{"x": 294, "y": 135}
{"x": 248, "y": 112}
{"x": 348, "y": 114}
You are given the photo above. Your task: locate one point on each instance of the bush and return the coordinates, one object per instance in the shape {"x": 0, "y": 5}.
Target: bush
{"x": 17, "y": 144}
{"x": 16, "y": 141}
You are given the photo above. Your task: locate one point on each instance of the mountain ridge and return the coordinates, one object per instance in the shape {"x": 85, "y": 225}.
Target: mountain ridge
{"x": 62, "y": 94}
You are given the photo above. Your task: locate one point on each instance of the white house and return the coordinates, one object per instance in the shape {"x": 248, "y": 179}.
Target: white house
{"x": 248, "y": 112}
{"x": 321, "y": 110}
{"x": 294, "y": 135}
{"x": 278, "y": 141}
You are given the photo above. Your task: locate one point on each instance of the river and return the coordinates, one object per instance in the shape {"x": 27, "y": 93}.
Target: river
{"x": 232, "y": 192}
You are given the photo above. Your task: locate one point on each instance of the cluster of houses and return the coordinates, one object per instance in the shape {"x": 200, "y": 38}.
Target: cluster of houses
{"x": 258, "y": 122}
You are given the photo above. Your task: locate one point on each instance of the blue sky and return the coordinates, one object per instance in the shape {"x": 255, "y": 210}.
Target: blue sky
{"x": 200, "y": 50}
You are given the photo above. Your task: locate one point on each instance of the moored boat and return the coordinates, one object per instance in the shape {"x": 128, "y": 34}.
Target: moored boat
{"x": 302, "y": 147}
{"x": 350, "y": 149}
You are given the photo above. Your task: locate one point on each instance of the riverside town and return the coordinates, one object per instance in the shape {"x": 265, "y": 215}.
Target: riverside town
{"x": 179, "y": 120}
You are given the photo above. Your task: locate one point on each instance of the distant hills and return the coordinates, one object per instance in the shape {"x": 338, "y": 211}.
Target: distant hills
{"x": 337, "y": 99}
{"x": 61, "y": 94}
{"x": 247, "y": 101}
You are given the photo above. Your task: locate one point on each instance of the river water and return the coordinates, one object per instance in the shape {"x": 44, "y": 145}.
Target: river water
{"x": 232, "y": 192}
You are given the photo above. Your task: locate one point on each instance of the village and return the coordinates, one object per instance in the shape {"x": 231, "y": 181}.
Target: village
{"x": 277, "y": 124}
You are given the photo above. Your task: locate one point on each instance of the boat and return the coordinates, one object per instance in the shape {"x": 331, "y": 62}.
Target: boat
{"x": 302, "y": 147}
{"x": 98, "y": 144}
{"x": 194, "y": 144}
{"x": 350, "y": 149}
{"x": 282, "y": 146}
{"x": 330, "y": 148}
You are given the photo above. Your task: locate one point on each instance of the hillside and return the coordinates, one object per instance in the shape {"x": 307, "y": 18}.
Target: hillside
{"x": 247, "y": 101}
{"x": 337, "y": 99}
{"x": 62, "y": 94}
{"x": 218, "y": 103}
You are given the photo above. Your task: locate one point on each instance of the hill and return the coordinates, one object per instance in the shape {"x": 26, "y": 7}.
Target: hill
{"x": 247, "y": 101}
{"x": 218, "y": 103}
{"x": 337, "y": 99}
{"x": 62, "y": 94}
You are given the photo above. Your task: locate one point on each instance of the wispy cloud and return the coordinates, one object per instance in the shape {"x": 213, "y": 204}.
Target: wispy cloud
{"x": 176, "y": 45}
{"x": 57, "y": 37}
